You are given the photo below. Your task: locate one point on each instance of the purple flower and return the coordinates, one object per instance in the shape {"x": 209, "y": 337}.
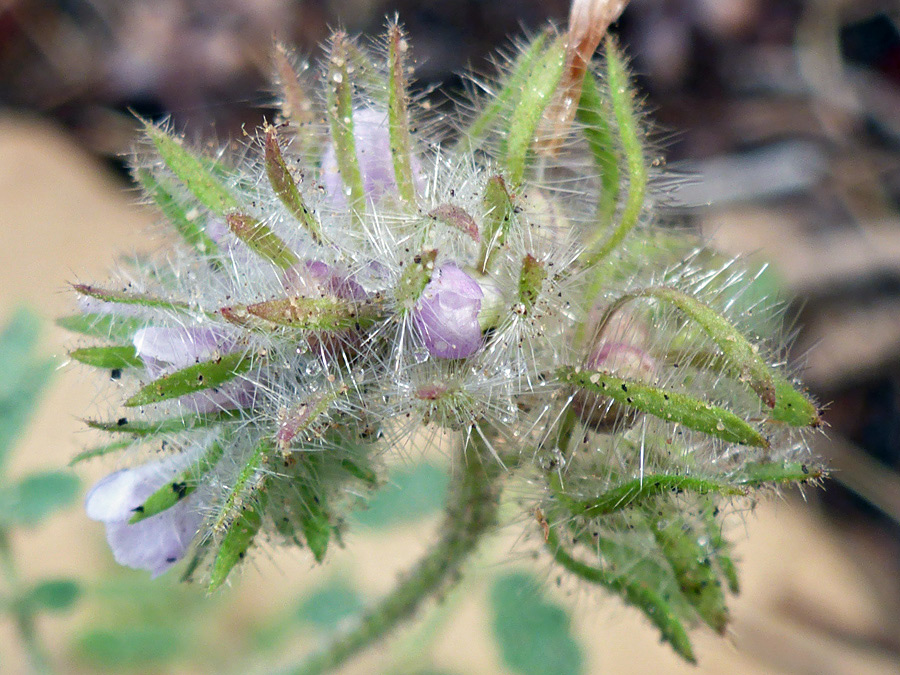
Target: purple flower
{"x": 155, "y": 543}
{"x": 447, "y": 313}
{"x": 373, "y": 152}
{"x": 165, "y": 350}
{"x": 313, "y": 279}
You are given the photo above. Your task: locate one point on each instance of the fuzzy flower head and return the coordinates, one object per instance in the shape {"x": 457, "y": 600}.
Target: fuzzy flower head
{"x": 367, "y": 270}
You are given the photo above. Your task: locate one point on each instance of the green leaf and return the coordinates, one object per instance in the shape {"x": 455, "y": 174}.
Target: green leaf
{"x": 667, "y": 405}
{"x": 184, "y": 484}
{"x": 398, "y": 117}
{"x": 521, "y": 70}
{"x": 594, "y": 113}
{"x": 328, "y": 606}
{"x": 194, "y": 172}
{"x": 130, "y": 647}
{"x": 285, "y": 187}
{"x": 118, "y": 356}
{"x": 54, "y": 595}
{"x": 235, "y": 543}
{"x": 261, "y": 239}
{"x": 37, "y": 496}
{"x": 410, "y": 494}
{"x": 112, "y": 327}
{"x": 199, "y": 377}
{"x": 314, "y": 521}
{"x": 534, "y": 97}
{"x": 534, "y": 635}
{"x": 185, "y": 219}
{"x": 639, "y": 585}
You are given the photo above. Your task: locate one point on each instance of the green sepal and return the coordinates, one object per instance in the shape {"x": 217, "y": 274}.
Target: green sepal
{"x": 692, "y": 565}
{"x": 761, "y": 474}
{"x": 636, "y": 591}
{"x": 314, "y": 521}
{"x": 185, "y": 219}
{"x": 118, "y": 356}
{"x": 111, "y": 327}
{"x": 534, "y": 96}
{"x": 520, "y": 72}
{"x": 415, "y": 277}
{"x": 126, "y": 298}
{"x": 285, "y": 187}
{"x": 499, "y": 214}
{"x": 339, "y": 94}
{"x": 640, "y": 490}
{"x": 531, "y": 280}
{"x": 236, "y": 542}
{"x": 325, "y": 313}
{"x": 667, "y": 405}
{"x": 594, "y": 113}
{"x": 787, "y": 403}
{"x": 199, "y": 377}
{"x": 720, "y": 548}
{"x": 181, "y": 486}
{"x": 165, "y": 426}
{"x": 194, "y": 172}
{"x": 398, "y": 115}
{"x": 261, "y": 239}
{"x": 100, "y": 451}
{"x": 296, "y": 104}
{"x": 457, "y": 218}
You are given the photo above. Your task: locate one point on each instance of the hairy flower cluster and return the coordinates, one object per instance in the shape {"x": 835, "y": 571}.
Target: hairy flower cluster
{"x": 368, "y": 269}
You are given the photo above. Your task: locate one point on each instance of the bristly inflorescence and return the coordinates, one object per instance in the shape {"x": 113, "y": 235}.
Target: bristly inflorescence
{"x": 368, "y": 269}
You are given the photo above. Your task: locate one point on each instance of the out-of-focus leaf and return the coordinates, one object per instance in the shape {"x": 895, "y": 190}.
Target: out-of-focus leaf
{"x": 131, "y": 647}
{"x": 54, "y": 595}
{"x": 113, "y": 327}
{"x": 37, "y": 496}
{"x": 330, "y": 604}
{"x": 533, "y": 634}
{"x": 410, "y": 494}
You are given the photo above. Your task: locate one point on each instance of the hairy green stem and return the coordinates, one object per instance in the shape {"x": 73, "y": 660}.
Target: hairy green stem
{"x": 471, "y": 512}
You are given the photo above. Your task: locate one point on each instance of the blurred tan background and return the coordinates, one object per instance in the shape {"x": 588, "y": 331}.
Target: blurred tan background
{"x": 786, "y": 118}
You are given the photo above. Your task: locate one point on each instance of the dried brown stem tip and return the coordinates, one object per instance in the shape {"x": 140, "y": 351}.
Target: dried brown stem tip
{"x": 588, "y": 23}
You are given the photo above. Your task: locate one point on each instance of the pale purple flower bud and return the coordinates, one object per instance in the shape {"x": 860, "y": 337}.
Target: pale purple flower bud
{"x": 373, "y": 153}
{"x": 155, "y": 543}
{"x": 447, "y": 313}
{"x": 314, "y": 278}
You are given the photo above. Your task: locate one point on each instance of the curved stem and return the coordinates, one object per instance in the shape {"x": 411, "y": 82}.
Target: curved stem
{"x": 471, "y": 511}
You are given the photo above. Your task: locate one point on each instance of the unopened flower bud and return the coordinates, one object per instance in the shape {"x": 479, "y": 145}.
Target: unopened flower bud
{"x": 447, "y": 313}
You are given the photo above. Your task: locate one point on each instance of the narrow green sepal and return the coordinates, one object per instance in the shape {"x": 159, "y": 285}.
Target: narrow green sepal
{"x": 234, "y": 545}
{"x": 667, "y": 405}
{"x": 199, "y": 377}
{"x": 694, "y": 571}
{"x": 126, "y": 298}
{"x": 119, "y": 356}
{"x": 627, "y": 120}
{"x": 415, "y": 277}
{"x": 594, "y": 114}
{"x": 778, "y": 473}
{"x": 499, "y": 214}
{"x": 531, "y": 280}
{"x": 194, "y": 172}
{"x": 720, "y": 548}
{"x": 635, "y": 591}
{"x": 165, "y": 426}
{"x": 398, "y": 115}
{"x": 521, "y": 70}
{"x": 788, "y": 404}
{"x": 297, "y": 105}
{"x": 111, "y": 327}
{"x": 180, "y": 487}
{"x": 535, "y": 95}
{"x": 261, "y": 240}
{"x": 339, "y": 92}
{"x": 184, "y": 219}
{"x": 314, "y": 522}
{"x": 325, "y": 313}
{"x": 286, "y": 188}
{"x": 100, "y": 451}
